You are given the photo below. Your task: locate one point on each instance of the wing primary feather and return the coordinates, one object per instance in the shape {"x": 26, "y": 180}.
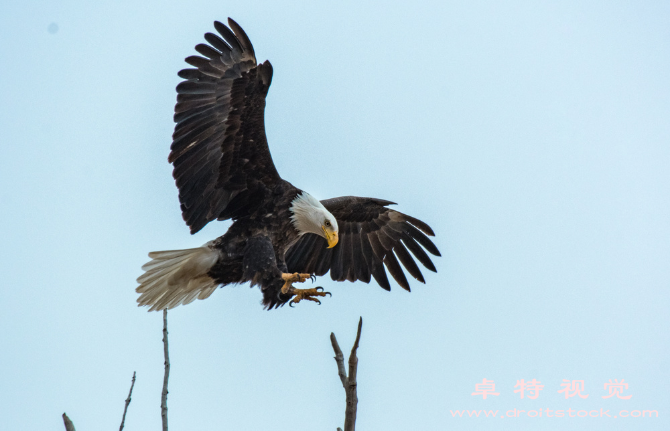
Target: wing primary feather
{"x": 189, "y": 74}
{"x": 190, "y": 87}
{"x": 197, "y": 61}
{"x": 186, "y": 120}
{"x": 217, "y": 42}
{"x": 421, "y": 225}
{"x": 423, "y": 240}
{"x": 396, "y": 271}
{"x": 201, "y": 175}
{"x": 392, "y": 233}
{"x": 190, "y": 97}
{"x": 184, "y": 158}
{"x": 386, "y": 241}
{"x": 379, "y": 274}
{"x": 241, "y": 36}
{"x": 196, "y": 118}
{"x": 407, "y": 261}
{"x": 228, "y": 35}
{"x": 193, "y": 104}
{"x": 207, "y": 51}
{"x": 418, "y": 252}
{"x": 195, "y": 136}
{"x": 204, "y": 66}
{"x": 376, "y": 245}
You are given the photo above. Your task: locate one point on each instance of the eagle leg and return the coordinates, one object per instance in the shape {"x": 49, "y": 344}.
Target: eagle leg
{"x": 289, "y": 279}
{"x": 306, "y": 294}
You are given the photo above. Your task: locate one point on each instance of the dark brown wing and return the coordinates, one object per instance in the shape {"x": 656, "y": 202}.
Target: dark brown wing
{"x": 222, "y": 163}
{"x": 371, "y": 236}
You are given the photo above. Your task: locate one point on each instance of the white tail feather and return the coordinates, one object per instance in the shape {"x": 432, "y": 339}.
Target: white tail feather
{"x": 175, "y": 277}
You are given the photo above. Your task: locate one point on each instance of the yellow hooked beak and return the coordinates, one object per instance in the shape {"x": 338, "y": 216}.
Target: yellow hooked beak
{"x": 330, "y": 237}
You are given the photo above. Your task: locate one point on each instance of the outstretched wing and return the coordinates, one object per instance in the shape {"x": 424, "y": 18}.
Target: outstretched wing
{"x": 222, "y": 163}
{"x": 371, "y": 236}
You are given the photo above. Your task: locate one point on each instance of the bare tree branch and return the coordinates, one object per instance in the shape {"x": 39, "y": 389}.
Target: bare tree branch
{"x": 123, "y": 420}
{"x": 352, "y": 396}
{"x": 69, "y": 426}
{"x": 167, "y": 373}
{"x": 339, "y": 358}
{"x": 349, "y": 383}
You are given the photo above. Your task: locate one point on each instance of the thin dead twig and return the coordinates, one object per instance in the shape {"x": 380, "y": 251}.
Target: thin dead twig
{"x": 167, "y": 373}
{"x": 349, "y": 383}
{"x": 125, "y": 409}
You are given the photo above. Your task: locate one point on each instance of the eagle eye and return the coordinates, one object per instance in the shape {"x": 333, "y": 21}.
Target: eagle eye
{"x": 327, "y": 223}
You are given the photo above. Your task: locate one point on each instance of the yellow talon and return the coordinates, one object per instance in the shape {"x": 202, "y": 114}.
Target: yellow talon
{"x": 289, "y": 279}
{"x": 307, "y": 294}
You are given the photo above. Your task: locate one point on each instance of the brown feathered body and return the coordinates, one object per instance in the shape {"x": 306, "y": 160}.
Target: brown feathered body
{"x": 254, "y": 247}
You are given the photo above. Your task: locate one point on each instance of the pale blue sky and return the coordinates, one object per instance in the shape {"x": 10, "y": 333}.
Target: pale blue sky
{"x": 532, "y": 136}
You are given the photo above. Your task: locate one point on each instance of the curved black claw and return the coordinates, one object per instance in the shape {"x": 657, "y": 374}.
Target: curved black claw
{"x": 313, "y": 277}
{"x": 325, "y": 293}
{"x": 308, "y": 295}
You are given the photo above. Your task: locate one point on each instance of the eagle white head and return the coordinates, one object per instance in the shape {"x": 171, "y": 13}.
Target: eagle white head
{"x": 309, "y": 216}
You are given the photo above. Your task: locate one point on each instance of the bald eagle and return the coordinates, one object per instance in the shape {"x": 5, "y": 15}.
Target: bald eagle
{"x": 280, "y": 234}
